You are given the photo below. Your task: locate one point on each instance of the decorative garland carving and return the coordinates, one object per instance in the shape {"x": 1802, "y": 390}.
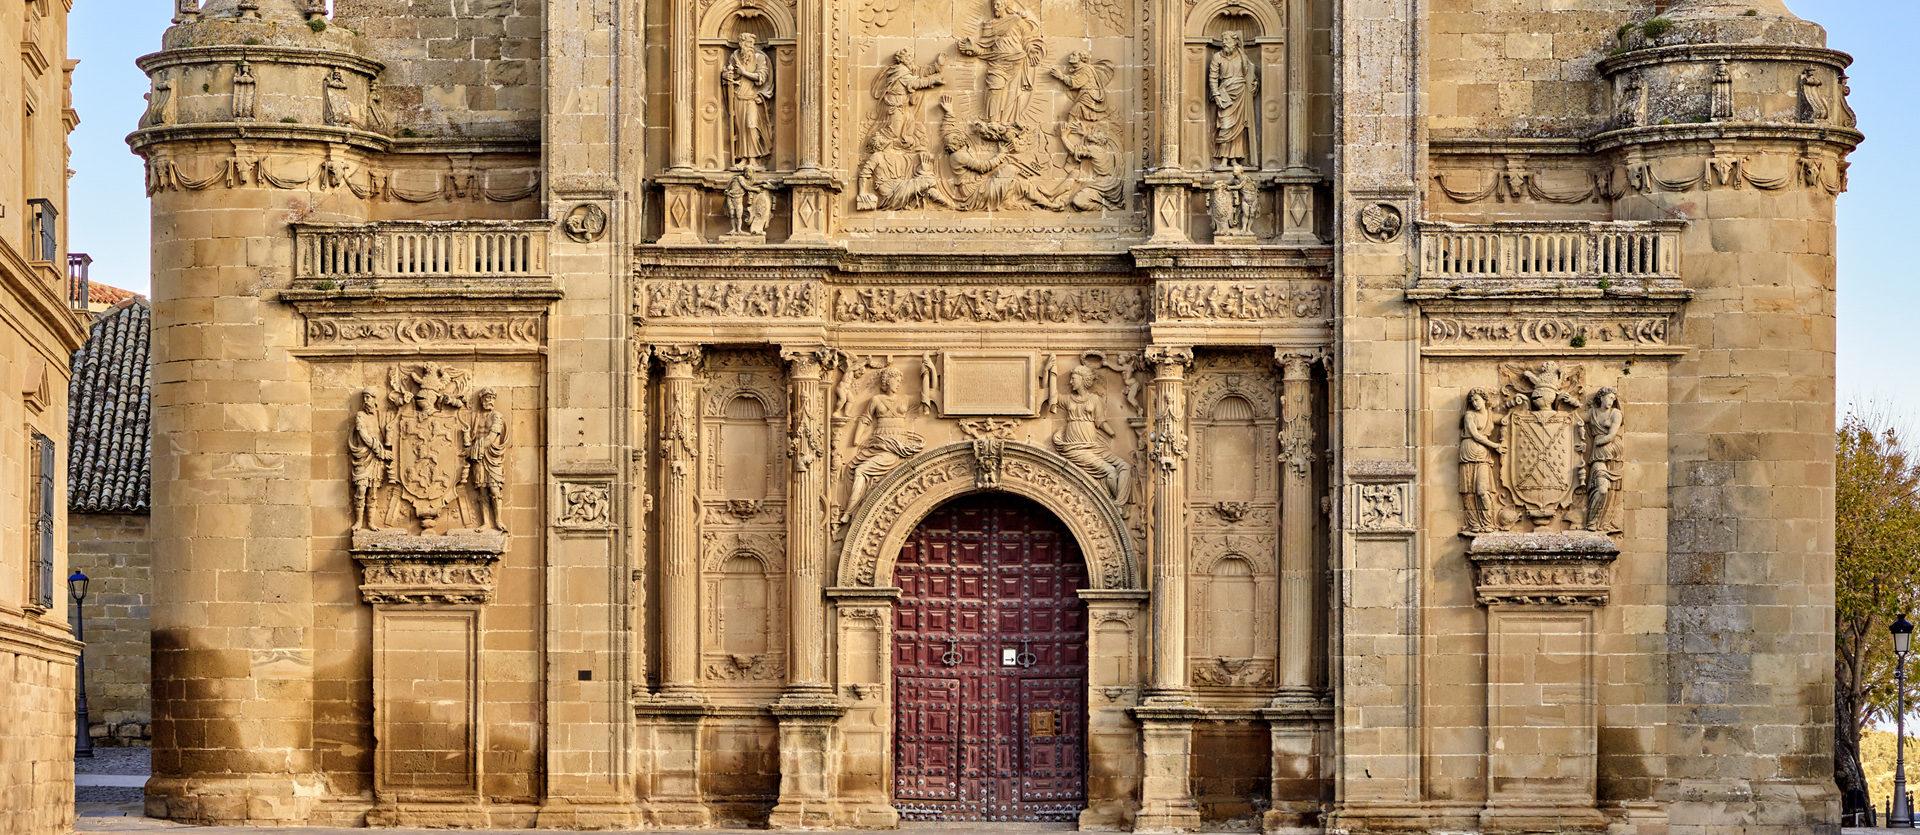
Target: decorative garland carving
{"x": 379, "y": 184}
{"x": 1508, "y": 185}
{"x": 423, "y": 330}
{"x": 896, "y": 503}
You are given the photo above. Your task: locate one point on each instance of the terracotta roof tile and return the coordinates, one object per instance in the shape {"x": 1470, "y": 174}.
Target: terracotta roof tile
{"x": 109, "y": 418}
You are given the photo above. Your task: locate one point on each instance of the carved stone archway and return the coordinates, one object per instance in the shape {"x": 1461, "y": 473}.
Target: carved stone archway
{"x": 882, "y": 522}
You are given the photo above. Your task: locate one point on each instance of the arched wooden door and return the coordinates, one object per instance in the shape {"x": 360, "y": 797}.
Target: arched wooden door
{"x": 990, "y": 665}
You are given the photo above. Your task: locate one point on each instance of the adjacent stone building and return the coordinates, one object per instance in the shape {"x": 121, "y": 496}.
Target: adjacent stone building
{"x": 38, "y": 334}
{"x": 1326, "y": 415}
{"x": 108, "y": 498}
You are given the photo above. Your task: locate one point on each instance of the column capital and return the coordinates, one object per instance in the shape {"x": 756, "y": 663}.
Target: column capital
{"x": 679, "y": 360}
{"x": 1169, "y": 360}
{"x": 1297, "y": 363}
{"x": 805, "y": 362}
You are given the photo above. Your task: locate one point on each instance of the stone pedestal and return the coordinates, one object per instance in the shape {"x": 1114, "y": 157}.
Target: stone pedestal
{"x": 669, "y": 763}
{"x": 428, "y": 595}
{"x": 1542, "y": 591}
{"x": 807, "y": 775}
{"x": 1300, "y": 793}
{"x": 1166, "y": 789}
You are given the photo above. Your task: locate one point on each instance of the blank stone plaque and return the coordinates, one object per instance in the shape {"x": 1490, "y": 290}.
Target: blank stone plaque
{"x": 987, "y": 384}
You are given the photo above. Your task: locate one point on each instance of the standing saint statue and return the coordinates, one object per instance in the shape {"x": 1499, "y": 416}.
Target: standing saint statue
{"x": 1476, "y": 462}
{"x": 487, "y": 453}
{"x": 371, "y": 454}
{"x": 1084, "y": 439}
{"x": 1605, "y": 465}
{"x": 1010, "y": 45}
{"x": 1232, "y": 80}
{"x": 748, "y": 78}
{"x": 888, "y": 442}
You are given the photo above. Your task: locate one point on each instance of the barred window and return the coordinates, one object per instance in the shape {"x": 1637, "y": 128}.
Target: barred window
{"x": 40, "y": 555}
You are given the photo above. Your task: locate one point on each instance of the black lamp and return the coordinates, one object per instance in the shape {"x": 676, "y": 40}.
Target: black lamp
{"x": 1901, "y": 815}
{"x": 82, "y": 741}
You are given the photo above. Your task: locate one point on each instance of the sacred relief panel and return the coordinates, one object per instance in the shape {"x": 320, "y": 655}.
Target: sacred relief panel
{"x": 1008, "y": 108}
{"x": 1242, "y": 300}
{"x": 1543, "y": 452}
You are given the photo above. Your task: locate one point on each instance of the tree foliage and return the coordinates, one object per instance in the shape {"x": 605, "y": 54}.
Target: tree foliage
{"x": 1876, "y": 573}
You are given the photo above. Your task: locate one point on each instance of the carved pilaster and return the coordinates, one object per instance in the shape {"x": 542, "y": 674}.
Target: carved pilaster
{"x": 679, "y": 534}
{"x": 1297, "y": 519}
{"x": 1167, "y": 439}
{"x": 806, "y": 522}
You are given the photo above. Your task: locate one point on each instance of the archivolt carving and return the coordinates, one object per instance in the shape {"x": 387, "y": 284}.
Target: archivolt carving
{"x": 769, "y": 548}
{"x": 897, "y": 503}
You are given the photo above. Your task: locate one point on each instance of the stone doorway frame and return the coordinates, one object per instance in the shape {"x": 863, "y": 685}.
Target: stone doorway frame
{"x": 863, "y": 622}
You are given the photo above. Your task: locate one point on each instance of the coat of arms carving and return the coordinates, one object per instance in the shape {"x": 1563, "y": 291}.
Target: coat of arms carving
{"x": 434, "y": 465}
{"x": 1532, "y": 451}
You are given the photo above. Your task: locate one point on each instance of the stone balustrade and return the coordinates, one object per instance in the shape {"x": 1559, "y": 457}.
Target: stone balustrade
{"x": 506, "y": 249}
{"x": 1551, "y": 250}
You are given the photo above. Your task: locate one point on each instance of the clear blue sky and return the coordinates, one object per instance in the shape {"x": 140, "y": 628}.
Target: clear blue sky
{"x": 1879, "y": 301}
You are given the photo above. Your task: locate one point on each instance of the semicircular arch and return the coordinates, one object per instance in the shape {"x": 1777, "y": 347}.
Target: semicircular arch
{"x": 898, "y": 503}
{"x": 1265, "y": 17}
{"x": 713, "y": 21}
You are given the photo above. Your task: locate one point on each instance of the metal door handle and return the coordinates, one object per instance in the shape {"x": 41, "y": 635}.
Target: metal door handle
{"x": 1025, "y": 658}
{"x": 951, "y": 657}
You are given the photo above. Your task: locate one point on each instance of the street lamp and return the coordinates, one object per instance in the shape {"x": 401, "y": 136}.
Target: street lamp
{"x": 83, "y": 741}
{"x": 1901, "y": 815}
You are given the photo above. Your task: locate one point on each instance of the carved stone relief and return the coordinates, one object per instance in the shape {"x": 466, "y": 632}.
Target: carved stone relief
{"x": 933, "y": 305}
{"x": 427, "y": 578}
{"x": 435, "y": 465}
{"x": 160, "y": 107}
{"x": 1381, "y": 222}
{"x": 1546, "y": 450}
{"x": 1233, "y": 82}
{"x": 1242, "y": 300}
{"x": 244, "y": 91}
{"x": 1556, "y": 569}
{"x": 881, "y": 435}
{"x": 585, "y": 505}
{"x": 1233, "y": 205}
{"x": 730, "y": 299}
{"x": 360, "y": 329}
{"x": 1233, "y": 672}
{"x": 1720, "y": 105}
{"x": 585, "y": 223}
{"x": 749, "y": 206}
{"x": 1501, "y": 330}
{"x": 1084, "y": 439}
{"x": 1813, "y": 100}
{"x": 364, "y": 182}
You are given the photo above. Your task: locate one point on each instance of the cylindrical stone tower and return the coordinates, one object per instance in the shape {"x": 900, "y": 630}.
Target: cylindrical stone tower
{"x": 259, "y": 110}
{"x": 1744, "y": 132}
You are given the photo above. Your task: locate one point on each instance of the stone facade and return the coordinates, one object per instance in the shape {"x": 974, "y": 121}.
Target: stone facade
{"x": 38, "y": 335}
{"x": 1440, "y": 400}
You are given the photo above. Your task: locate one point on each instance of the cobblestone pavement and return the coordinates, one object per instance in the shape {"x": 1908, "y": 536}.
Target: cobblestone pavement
{"x": 101, "y": 782}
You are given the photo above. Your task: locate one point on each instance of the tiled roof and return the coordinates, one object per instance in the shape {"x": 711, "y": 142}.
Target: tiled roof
{"x": 109, "y": 413}
{"x": 98, "y": 293}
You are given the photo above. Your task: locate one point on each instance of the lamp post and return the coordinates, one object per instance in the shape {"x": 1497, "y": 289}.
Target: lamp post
{"x": 1901, "y": 815}
{"x": 82, "y": 741}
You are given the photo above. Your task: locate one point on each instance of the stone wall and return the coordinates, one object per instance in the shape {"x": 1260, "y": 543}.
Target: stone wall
{"x": 115, "y": 552}
{"x": 36, "y": 734}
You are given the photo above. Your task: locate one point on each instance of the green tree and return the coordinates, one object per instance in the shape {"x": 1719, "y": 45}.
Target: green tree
{"x": 1877, "y": 577}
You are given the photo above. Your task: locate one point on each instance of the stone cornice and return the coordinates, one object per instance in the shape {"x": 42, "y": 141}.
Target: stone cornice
{"x": 220, "y": 131}
{"x": 1708, "y": 132}
{"x": 1706, "y": 53}
{"x": 227, "y": 54}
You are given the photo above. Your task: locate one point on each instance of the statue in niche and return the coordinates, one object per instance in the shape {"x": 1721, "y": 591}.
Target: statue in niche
{"x": 1232, "y": 81}
{"x": 895, "y": 88}
{"x": 1087, "y": 80}
{"x": 1477, "y": 448}
{"x": 898, "y": 174}
{"x": 749, "y": 205}
{"x": 1084, "y": 439}
{"x": 1605, "y": 464}
{"x": 1010, "y": 45}
{"x": 1102, "y": 188}
{"x": 339, "y": 111}
{"x": 748, "y": 77}
{"x": 369, "y": 447}
{"x": 997, "y": 172}
{"x": 243, "y": 92}
{"x": 487, "y": 454}
{"x": 888, "y": 441}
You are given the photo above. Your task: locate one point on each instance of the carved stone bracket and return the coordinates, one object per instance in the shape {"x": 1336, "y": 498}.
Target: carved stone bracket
{"x": 410, "y": 569}
{"x": 1543, "y": 569}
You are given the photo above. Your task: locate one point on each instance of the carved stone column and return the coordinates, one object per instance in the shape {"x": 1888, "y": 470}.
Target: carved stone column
{"x": 1168, "y": 440}
{"x": 808, "y": 712}
{"x": 679, "y": 536}
{"x": 1543, "y": 592}
{"x": 1298, "y": 517}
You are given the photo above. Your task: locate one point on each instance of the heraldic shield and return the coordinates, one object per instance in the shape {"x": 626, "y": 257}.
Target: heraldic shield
{"x": 1543, "y": 461}
{"x": 429, "y": 464}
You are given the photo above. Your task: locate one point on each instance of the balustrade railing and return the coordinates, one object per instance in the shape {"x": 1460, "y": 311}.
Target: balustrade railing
{"x": 1567, "y": 250}
{"x": 501, "y": 249}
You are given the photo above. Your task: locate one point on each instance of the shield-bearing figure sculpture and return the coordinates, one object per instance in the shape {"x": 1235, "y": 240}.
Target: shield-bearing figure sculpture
{"x": 1542, "y": 465}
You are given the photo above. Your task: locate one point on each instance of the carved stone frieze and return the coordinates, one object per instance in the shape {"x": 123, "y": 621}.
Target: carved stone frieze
{"x": 1242, "y": 300}
{"x": 360, "y": 329}
{"x": 1233, "y": 672}
{"x": 730, "y": 299}
{"x": 242, "y": 170}
{"x": 976, "y": 304}
{"x": 400, "y": 568}
{"x": 1499, "y": 330}
{"x": 1508, "y": 183}
{"x": 744, "y": 667}
{"x": 1543, "y": 569}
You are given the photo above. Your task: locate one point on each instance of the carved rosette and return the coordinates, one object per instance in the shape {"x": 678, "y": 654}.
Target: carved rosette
{"x": 1574, "y": 568}
{"x": 400, "y": 568}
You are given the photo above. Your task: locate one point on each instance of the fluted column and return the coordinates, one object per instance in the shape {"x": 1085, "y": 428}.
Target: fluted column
{"x": 679, "y": 536}
{"x": 1297, "y": 86}
{"x": 806, "y": 525}
{"x": 1168, "y": 437}
{"x": 1297, "y": 517}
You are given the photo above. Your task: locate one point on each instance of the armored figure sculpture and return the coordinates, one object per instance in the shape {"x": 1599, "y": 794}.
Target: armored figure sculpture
{"x": 748, "y": 77}
{"x": 749, "y": 205}
{"x": 1232, "y": 80}
{"x": 1081, "y": 440}
{"x": 1477, "y": 448}
{"x": 487, "y": 452}
{"x": 1009, "y": 44}
{"x": 370, "y": 450}
{"x": 1605, "y": 463}
{"x": 888, "y": 442}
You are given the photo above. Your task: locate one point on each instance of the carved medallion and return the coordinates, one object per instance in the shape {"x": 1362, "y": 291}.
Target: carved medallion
{"x": 585, "y": 223}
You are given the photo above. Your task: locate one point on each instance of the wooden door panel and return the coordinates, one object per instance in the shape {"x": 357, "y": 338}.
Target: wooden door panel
{"x": 983, "y": 576}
